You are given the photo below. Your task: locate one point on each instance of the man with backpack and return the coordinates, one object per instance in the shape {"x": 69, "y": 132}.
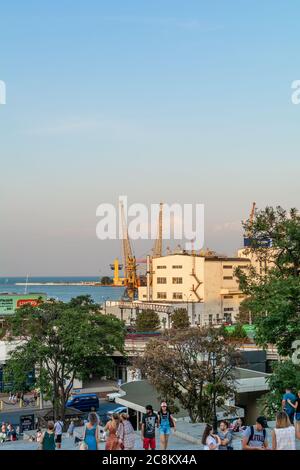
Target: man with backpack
{"x": 255, "y": 437}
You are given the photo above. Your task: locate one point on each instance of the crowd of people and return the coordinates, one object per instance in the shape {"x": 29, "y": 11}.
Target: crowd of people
{"x": 16, "y": 397}
{"x": 119, "y": 433}
{"x": 284, "y": 434}
{"x": 8, "y": 432}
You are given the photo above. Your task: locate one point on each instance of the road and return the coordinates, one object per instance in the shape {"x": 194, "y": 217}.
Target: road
{"x": 12, "y": 413}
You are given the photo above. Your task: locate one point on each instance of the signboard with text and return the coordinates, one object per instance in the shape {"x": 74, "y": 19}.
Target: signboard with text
{"x": 10, "y": 302}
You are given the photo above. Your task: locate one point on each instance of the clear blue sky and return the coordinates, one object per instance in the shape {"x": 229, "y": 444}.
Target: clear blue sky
{"x": 159, "y": 100}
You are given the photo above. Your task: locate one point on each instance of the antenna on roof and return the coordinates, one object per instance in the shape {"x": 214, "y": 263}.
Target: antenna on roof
{"x": 26, "y": 285}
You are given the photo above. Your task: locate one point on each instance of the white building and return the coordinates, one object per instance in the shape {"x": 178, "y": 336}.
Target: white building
{"x": 205, "y": 285}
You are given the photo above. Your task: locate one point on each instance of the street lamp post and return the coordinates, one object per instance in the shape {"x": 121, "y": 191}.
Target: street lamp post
{"x": 214, "y": 365}
{"x": 187, "y": 302}
{"x": 105, "y": 299}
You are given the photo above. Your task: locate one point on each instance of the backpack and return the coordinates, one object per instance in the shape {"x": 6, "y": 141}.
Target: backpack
{"x": 252, "y": 434}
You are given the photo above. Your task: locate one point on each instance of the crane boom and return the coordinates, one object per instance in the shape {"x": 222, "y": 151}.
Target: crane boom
{"x": 130, "y": 275}
{"x": 157, "y": 250}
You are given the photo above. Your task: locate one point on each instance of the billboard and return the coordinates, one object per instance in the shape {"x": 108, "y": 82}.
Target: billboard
{"x": 10, "y": 302}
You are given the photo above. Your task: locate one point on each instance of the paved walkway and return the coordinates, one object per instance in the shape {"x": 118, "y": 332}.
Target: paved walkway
{"x": 68, "y": 444}
{"x": 175, "y": 442}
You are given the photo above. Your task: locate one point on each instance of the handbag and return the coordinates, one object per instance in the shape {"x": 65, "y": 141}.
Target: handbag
{"x": 83, "y": 445}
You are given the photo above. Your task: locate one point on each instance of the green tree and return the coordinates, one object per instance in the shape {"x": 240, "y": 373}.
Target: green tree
{"x": 239, "y": 332}
{"x": 274, "y": 295}
{"x": 179, "y": 366}
{"x": 180, "y": 319}
{"x": 285, "y": 374}
{"x": 147, "y": 320}
{"x": 106, "y": 280}
{"x": 61, "y": 342}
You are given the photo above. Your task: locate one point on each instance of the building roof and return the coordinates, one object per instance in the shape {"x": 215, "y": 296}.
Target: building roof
{"x": 141, "y": 393}
{"x": 224, "y": 258}
{"x": 206, "y": 257}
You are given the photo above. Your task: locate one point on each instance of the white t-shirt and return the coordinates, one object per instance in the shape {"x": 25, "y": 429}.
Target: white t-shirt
{"x": 210, "y": 440}
{"x": 58, "y": 427}
{"x": 285, "y": 438}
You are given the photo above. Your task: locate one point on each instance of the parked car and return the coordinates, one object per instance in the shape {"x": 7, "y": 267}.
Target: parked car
{"x": 84, "y": 402}
{"x": 118, "y": 410}
{"x": 113, "y": 396}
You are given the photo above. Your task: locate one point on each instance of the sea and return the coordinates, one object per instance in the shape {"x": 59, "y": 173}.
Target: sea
{"x": 65, "y": 293}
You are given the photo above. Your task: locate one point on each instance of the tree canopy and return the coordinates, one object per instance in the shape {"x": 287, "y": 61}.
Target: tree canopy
{"x": 147, "y": 320}
{"x": 61, "y": 342}
{"x": 274, "y": 295}
{"x": 180, "y": 319}
{"x": 179, "y": 365}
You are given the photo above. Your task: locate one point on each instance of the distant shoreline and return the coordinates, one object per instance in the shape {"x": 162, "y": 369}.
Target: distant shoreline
{"x": 83, "y": 284}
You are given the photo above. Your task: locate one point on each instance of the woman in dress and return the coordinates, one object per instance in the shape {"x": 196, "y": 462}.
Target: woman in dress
{"x": 91, "y": 437}
{"x": 48, "y": 439}
{"x": 126, "y": 433}
{"x": 112, "y": 442}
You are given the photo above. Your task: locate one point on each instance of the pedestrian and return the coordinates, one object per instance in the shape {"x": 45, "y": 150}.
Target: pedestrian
{"x": 9, "y": 431}
{"x": 12, "y": 433}
{"x": 149, "y": 422}
{"x": 91, "y": 437}
{"x": 225, "y": 435}
{"x": 3, "y": 428}
{"x": 165, "y": 423}
{"x": 237, "y": 425}
{"x": 283, "y": 435}
{"x": 296, "y": 407}
{"x": 39, "y": 438}
{"x": 210, "y": 440}
{"x": 71, "y": 428}
{"x": 58, "y": 429}
{"x": 126, "y": 433}
{"x": 255, "y": 437}
{"x": 48, "y": 438}
{"x": 112, "y": 441}
{"x": 288, "y": 400}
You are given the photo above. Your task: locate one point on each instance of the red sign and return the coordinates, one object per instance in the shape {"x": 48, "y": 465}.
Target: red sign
{"x": 32, "y": 302}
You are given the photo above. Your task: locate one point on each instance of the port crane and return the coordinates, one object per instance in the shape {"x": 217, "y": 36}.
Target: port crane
{"x": 129, "y": 262}
{"x": 131, "y": 280}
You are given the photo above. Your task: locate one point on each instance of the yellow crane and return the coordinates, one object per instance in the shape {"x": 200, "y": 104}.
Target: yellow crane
{"x": 131, "y": 280}
{"x": 129, "y": 262}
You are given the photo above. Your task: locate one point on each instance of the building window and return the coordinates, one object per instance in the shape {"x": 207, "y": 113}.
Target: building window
{"x": 228, "y": 296}
{"x": 161, "y": 295}
{"x": 227, "y": 317}
{"x": 161, "y": 280}
{"x": 177, "y": 295}
{"x": 228, "y": 309}
{"x": 245, "y": 266}
{"x": 210, "y": 319}
{"x": 161, "y": 267}
{"x": 227, "y": 266}
{"x": 177, "y": 280}
{"x": 177, "y": 266}
{"x": 227, "y": 278}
